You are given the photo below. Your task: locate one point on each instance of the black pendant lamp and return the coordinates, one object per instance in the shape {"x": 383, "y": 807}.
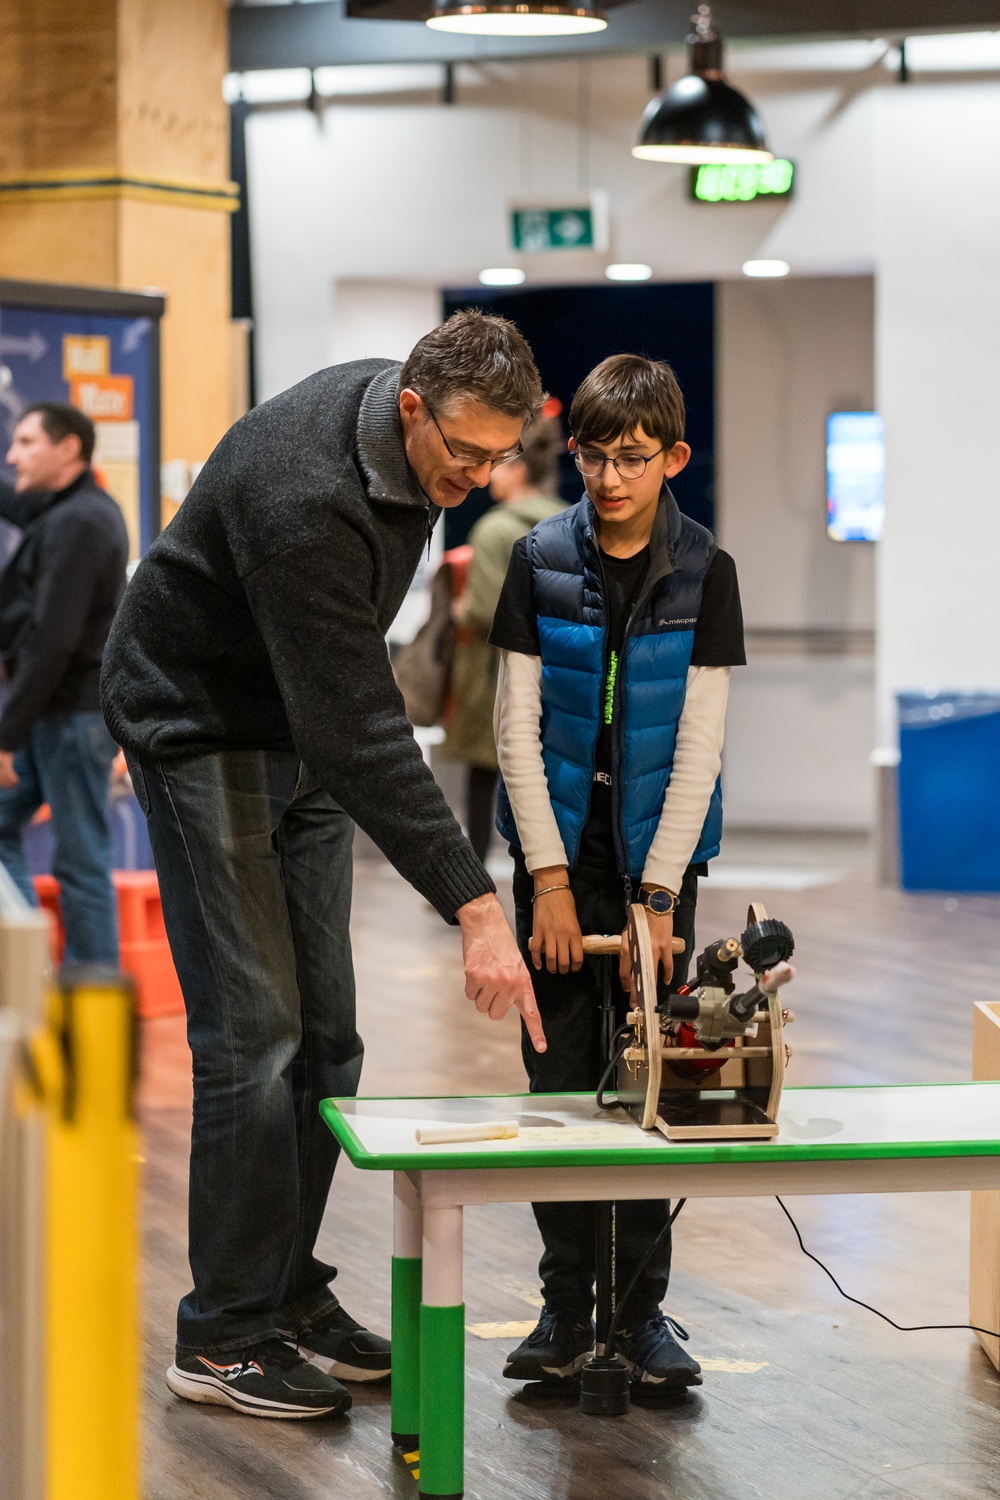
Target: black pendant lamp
{"x": 498, "y": 18}
{"x": 701, "y": 118}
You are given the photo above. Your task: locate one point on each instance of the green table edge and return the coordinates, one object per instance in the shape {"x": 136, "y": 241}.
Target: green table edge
{"x": 667, "y": 1155}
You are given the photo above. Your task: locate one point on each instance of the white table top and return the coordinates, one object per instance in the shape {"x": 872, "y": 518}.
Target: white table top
{"x": 959, "y": 1119}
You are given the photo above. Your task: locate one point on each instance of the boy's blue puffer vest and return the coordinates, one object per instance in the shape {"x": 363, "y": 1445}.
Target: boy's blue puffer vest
{"x": 652, "y": 676}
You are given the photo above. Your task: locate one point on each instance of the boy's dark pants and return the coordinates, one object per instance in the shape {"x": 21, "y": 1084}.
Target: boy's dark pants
{"x": 570, "y": 1006}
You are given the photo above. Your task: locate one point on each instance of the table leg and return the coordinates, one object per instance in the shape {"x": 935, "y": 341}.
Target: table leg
{"x": 407, "y": 1250}
{"x": 442, "y": 1358}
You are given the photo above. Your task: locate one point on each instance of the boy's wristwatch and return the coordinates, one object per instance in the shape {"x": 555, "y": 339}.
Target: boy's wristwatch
{"x": 660, "y": 903}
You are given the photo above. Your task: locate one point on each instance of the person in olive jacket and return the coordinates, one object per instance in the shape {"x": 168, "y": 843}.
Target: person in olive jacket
{"x": 58, "y": 596}
{"x": 526, "y": 492}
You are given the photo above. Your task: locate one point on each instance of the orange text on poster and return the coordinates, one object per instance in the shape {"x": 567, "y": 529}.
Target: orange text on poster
{"x": 104, "y": 398}
{"x": 85, "y": 354}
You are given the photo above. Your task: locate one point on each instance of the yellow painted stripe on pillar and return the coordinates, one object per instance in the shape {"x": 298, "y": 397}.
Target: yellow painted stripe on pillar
{"x": 84, "y": 185}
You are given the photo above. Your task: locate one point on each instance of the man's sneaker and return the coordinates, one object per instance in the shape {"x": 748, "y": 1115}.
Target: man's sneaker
{"x": 269, "y": 1380}
{"x": 555, "y": 1348}
{"x": 656, "y": 1357}
{"x": 338, "y": 1345}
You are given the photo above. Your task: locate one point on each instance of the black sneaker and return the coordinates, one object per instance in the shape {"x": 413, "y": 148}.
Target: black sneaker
{"x": 555, "y": 1348}
{"x": 269, "y": 1380}
{"x": 656, "y": 1357}
{"x": 338, "y": 1345}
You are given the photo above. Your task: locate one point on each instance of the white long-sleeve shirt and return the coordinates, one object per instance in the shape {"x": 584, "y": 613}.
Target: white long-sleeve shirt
{"x": 697, "y": 759}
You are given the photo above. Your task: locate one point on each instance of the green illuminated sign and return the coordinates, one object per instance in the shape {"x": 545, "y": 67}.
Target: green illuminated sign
{"x": 734, "y": 184}
{"x": 537, "y": 229}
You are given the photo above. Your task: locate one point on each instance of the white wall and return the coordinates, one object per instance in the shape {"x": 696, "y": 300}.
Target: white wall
{"x": 373, "y": 319}
{"x": 899, "y": 182}
{"x": 789, "y": 352}
{"x": 938, "y": 364}
{"x": 800, "y": 724}
{"x": 418, "y": 192}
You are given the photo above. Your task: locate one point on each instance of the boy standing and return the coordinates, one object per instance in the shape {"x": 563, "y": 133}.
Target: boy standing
{"x": 618, "y": 624}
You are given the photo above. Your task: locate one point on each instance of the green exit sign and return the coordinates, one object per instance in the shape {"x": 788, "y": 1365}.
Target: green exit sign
{"x": 734, "y": 184}
{"x": 536, "y": 229}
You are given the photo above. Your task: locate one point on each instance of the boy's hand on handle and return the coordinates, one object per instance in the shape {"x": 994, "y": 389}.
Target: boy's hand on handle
{"x": 555, "y": 934}
{"x": 661, "y": 933}
{"x": 661, "y": 940}
{"x": 495, "y": 976}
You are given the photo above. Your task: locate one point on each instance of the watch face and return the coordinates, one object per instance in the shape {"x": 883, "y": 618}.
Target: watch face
{"x": 661, "y": 902}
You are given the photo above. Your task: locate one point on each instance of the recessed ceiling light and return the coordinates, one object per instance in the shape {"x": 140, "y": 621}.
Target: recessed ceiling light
{"x": 766, "y": 268}
{"x": 501, "y": 276}
{"x": 533, "y": 19}
{"x": 627, "y": 271}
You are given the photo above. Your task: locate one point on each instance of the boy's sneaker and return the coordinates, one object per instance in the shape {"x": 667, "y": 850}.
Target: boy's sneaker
{"x": 555, "y": 1348}
{"x": 268, "y": 1380}
{"x": 338, "y": 1345}
{"x": 656, "y": 1357}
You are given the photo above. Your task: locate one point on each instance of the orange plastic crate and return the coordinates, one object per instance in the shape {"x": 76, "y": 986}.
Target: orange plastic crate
{"x": 145, "y": 952}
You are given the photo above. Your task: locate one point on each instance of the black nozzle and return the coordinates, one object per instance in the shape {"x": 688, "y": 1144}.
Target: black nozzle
{"x": 604, "y": 1388}
{"x": 681, "y": 1007}
{"x": 717, "y": 963}
{"x": 767, "y": 943}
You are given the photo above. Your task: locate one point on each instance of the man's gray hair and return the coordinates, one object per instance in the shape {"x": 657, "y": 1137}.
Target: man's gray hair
{"x": 478, "y": 357}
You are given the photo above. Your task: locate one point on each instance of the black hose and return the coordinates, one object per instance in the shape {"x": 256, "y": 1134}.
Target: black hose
{"x": 616, "y": 1057}
{"x": 609, "y": 1347}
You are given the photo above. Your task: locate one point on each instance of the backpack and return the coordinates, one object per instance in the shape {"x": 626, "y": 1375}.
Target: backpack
{"x": 422, "y": 667}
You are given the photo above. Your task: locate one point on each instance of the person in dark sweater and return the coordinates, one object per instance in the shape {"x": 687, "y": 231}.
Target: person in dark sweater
{"x": 248, "y": 679}
{"x": 58, "y": 596}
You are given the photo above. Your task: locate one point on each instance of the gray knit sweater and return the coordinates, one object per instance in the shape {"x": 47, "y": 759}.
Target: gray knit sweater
{"x": 258, "y": 618}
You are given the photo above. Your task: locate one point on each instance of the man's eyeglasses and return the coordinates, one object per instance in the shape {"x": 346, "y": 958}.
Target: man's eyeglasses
{"x": 473, "y": 460}
{"x": 629, "y": 465}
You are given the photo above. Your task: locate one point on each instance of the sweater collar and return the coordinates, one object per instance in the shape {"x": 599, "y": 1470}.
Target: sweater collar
{"x": 381, "y": 452}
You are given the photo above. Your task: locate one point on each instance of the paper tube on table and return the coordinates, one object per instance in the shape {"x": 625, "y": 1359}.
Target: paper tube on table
{"x": 446, "y": 1135}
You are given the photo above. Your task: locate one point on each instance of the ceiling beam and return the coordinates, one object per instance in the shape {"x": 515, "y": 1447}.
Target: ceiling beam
{"x": 322, "y": 35}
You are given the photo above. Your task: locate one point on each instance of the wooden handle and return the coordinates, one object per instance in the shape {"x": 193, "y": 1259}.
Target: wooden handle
{"x": 610, "y": 944}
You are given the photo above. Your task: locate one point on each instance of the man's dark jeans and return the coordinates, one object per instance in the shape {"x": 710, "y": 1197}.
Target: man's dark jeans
{"x": 254, "y": 864}
{"x": 67, "y": 762}
{"x": 570, "y": 1006}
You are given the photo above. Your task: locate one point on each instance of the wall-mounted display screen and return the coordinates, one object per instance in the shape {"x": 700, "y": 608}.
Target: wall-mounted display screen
{"x": 720, "y": 182}
{"x": 855, "y": 473}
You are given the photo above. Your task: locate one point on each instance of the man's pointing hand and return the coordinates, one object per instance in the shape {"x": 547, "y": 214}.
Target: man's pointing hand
{"x": 495, "y": 975}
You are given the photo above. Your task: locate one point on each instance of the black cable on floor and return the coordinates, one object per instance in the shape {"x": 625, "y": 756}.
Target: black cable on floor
{"x": 902, "y": 1327}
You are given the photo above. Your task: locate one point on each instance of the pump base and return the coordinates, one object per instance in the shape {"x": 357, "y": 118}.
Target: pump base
{"x": 604, "y": 1388}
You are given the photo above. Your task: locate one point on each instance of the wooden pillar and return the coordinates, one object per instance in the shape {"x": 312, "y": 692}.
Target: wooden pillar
{"x": 114, "y": 159}
{"x": 984, "y": 1270}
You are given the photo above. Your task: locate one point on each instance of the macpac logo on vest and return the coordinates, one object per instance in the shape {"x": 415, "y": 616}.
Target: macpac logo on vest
{"x": 678, "y": 622}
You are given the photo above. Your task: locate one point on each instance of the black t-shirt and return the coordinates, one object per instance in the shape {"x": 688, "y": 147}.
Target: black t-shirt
{"x": 718, "y": 642}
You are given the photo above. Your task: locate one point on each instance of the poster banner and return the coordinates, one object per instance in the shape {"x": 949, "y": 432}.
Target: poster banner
{"x": 104, "y": 365}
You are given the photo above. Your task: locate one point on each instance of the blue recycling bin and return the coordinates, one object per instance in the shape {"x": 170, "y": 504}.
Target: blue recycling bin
{"x": 949, "y": 791}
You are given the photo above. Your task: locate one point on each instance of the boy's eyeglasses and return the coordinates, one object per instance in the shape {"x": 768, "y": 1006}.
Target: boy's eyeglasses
{"x": 629, "y": 465}
{"x": 470, "y": 460}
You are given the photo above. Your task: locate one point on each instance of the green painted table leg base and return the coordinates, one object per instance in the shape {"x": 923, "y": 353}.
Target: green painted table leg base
{"x": 405, "y": 1420}
{"x": 442, "y": 1402}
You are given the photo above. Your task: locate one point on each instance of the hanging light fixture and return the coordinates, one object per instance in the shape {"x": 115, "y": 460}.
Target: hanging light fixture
{"x": 497, "y": 18}
{"x": 701, "y": 118}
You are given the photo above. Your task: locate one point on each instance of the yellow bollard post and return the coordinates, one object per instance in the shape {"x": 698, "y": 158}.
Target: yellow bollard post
{"x": 92, "y": 1245}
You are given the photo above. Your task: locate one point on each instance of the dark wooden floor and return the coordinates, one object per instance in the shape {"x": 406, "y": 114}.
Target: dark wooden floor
{"x": 805, "y": 1397}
